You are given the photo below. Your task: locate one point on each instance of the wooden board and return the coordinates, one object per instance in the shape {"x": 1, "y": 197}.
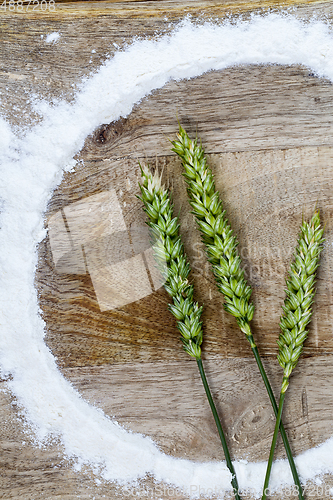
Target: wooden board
{"x": 184, "y": 428}
{"x": 266, "y": 194}
{"x": 268, "y": 135}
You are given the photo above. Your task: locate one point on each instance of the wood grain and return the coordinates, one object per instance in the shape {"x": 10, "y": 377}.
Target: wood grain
{"x": 266, "y": 194}
{"x": 187, "y": 427}
{"x": 268, "y": 136}
{"x": 30, "y": 66}
{"x": 172, "y": 409}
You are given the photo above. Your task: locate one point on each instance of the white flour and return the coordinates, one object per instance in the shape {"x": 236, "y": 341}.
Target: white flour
{"x": 52, "y": 37}
{"x": 32, "y": 166}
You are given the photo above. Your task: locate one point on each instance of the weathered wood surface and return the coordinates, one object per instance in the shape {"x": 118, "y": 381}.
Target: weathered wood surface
{"x": 30, "y": 65}
{"x": 266, "y": 194}
{"x": 269, "y": 137}
{"x": 239, "y": 393}
{"x": 186, "y": 428}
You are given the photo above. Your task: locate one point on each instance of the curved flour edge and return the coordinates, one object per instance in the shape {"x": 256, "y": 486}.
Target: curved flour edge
{"x": 32, "y": 167}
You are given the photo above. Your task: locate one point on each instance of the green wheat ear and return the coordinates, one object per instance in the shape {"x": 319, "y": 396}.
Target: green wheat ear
{"x": 297, "y": 313}
{"x": 169, "y": 254}
{"x": 300, "y": 293}
{"x": 216, "y": 233}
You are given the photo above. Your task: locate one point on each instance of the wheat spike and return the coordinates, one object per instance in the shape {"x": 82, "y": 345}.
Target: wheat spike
{"x": 217, "y": 235}
{"x": 169, "y": 253}
{"x": 300, "y": 293}
{"x": 297, "y": 313}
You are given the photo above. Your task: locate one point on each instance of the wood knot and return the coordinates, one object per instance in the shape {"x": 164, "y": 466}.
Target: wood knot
{"x": 253, "y": 426}
{"x": 109, "y": 133}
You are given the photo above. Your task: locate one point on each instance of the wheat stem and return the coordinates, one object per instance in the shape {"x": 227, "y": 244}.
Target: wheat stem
{"x": 170, "y": 256}
{"x": 220, "y": 430}
{"x": 271, "y": 454}
{"x": 282, "y": 429}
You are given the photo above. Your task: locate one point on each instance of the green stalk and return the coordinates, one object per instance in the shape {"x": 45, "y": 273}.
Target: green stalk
{"x": 271, "y": 454}
{"x": 220, "y": 430}
{"x": 172, "y": 262}
{"x": 282, "y": 430}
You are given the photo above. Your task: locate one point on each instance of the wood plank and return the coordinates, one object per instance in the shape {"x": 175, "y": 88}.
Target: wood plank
{"x": 271, "y": 123}
{"x": 186, "y": 427}
{"x": 182, "y": 429}
{"x": 30, "y": 66}
{"x": 266, "y": 194}
{"x": 137, "y": 8}
{"x": 238, "y": 109}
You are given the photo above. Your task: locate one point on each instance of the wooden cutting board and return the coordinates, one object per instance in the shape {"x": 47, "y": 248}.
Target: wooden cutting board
{"x": 268, "y": 134}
